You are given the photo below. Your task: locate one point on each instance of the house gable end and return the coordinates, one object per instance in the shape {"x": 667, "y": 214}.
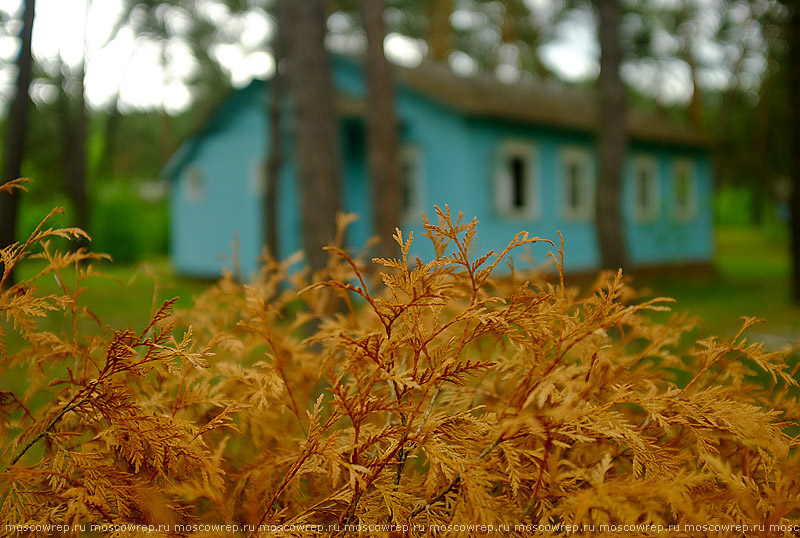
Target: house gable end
{"x": 237, "y": 102}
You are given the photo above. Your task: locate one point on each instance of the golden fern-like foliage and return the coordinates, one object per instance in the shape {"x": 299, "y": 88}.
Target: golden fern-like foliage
{"x": 431, "y": 399}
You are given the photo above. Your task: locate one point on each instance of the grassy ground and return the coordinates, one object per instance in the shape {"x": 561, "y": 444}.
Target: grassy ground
{"x": 122, "y": 296}
{"x": 750, "y": 278}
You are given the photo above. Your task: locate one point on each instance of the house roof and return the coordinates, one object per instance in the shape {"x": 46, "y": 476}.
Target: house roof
{"x": 542, "y": 103}
{"x": 550, "y": 104}
{"x": 346, "y": 105}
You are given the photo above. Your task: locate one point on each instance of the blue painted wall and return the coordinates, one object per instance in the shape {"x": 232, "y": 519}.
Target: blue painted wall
{"x": 497, "y": 228}
{"x": 458, "y": 160}
{"x": 221, "y": 218}
{"x": 667, "y": 238}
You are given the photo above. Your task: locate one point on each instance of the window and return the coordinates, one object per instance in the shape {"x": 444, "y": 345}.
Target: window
{"x": 194, "y": 183}
{"x": 577, "y": 184}
{"x": 515, "y": 185}
{"x": 411, "y": 183}
{"x": 645, "y": 189}
{"x": 684, "y": 190}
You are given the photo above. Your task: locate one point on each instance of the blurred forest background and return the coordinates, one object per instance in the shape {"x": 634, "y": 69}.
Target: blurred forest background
{"x": 101, "y": 93}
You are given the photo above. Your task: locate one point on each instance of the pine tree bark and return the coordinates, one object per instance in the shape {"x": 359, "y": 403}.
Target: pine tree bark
{"x": 316, "y": 127}
{"x": 382, "y": 133}
{"x": 104, "y": 166}
{"x": 612, "y": 139}
{"x": 440, "y": 32}
{"x": 697, "y": 114}
{"x": 74, "y": 132}
{"x": 16, "y": 131}
{"x": 275, "y": 150}
{"x": 793, "y": 41}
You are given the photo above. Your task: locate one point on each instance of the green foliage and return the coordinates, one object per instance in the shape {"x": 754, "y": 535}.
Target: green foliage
{"x": 733, "y": 207}
{"x": 127, "y": 227}
{"x": 429, "y": 394}
{"x": 750, "y": 278}
{"x": 32, "y": 211}
{"x": 122, "y": 224}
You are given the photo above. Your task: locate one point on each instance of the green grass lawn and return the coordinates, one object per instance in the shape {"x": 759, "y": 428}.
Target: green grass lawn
{"x": 125, "y": 295}
{"x": 750, "y": 278}
{"x": 122, "y": 296}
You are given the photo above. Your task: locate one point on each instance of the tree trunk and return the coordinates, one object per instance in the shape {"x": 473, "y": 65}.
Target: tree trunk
{"x": 72, "y": 122}
{"x": 440, "y": 32}
{"x": 316, "y": 127}
{"x": 612, "y": 139}
{"x": 104, "y": 165}
{"x": 274, "y": 151}
{"x": 761, "y": 184}
{"x": 76, "y": 158}
{"x": 16, "y": 131}
{"x": 514, "y": 13}
{"x": 272, "y": 167}
{"x": 697, "y": 115}
{"x": 688, "y": 12}
{"x": 793, "y": 40}
{"x": 384, "y": 166}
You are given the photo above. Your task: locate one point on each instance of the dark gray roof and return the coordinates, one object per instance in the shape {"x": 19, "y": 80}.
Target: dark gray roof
{"x": 546, "y": 103}
{"x": 550, "y": 104}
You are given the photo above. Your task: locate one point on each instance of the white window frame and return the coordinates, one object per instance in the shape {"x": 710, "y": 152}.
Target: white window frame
{"x": 503, "y": 188}
{"x": 688, "y": 210}
{"x": 194, "y": 183}
{"x": 583, "y": 158}
{"x": 411, "y": 160}
{"x": 647, "y": 165}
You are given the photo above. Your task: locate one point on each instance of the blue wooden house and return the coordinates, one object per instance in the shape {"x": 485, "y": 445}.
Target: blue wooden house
{"x": 519, "y": 157}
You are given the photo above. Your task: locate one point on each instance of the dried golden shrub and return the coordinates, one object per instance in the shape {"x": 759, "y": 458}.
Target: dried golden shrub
{"x": 430, "y": 399}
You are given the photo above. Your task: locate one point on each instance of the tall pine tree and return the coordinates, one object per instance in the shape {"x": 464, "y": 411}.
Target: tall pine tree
{"x": 316, "y": 126}
{"x": 382, "y": 144}
{"x": 16, "y": 131}
{"x": 612, "y": 139}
